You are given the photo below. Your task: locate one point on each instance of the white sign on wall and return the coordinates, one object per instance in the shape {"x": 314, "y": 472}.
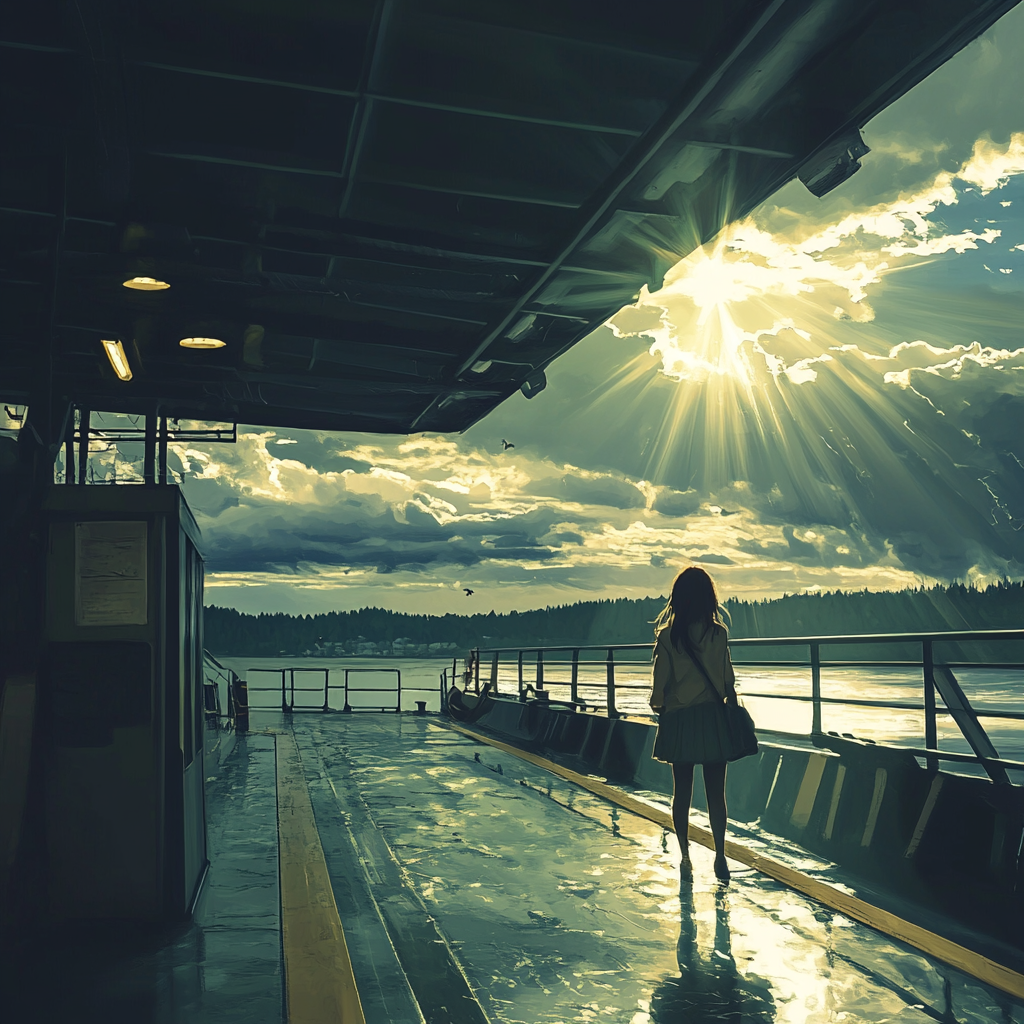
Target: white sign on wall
{"x": 110, "y": 574}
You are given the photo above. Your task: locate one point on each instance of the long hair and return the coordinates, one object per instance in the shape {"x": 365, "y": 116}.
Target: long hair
{"x": 693, "y": 600}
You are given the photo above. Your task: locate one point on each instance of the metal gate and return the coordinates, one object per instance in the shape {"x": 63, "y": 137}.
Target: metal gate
{"x": 396, "y": 689}
{"x": 286, "y": 688}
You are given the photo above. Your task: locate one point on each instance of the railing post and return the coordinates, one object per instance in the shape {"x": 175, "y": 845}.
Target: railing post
{"x": 347, "y": 707}
{"x": 494, "y": 673}
{"x": 816, "y": 689}
{"x": 931, "y": 738}
{"x": 539, "y": 684}
{"x": 522, "y": 696}
{"x": 327, "y": 689}
{"x": 610, "y": 685}
{"x": 398, "y": 709}
{"x": 574, "y": 694}
{"x": 476, "y": 669}
{"x": 284, "y": 691}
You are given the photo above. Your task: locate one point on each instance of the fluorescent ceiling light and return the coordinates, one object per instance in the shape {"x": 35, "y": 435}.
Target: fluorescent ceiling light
{"x": 202, "y": 343}
{"x": 118, "y": 360}
{"x": 146, "y": 284}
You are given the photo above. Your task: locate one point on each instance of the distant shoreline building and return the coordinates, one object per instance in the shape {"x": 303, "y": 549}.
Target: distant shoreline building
{"x": 361, "y": 647}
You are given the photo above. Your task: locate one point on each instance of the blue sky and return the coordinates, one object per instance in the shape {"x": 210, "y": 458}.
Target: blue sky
{"x": 830, "y": 395}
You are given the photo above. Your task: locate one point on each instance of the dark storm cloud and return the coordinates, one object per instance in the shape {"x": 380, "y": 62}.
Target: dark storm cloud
{"x": 713, "y": 559}
{"x": 670, "y": 502}
{"x": 263, "y": 537}
{"x": 613, "y": 491}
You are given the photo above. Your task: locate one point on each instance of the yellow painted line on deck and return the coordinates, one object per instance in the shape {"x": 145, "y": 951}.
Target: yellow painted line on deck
{"x": 966, "y": 960}
{"x": 320, "y": 985}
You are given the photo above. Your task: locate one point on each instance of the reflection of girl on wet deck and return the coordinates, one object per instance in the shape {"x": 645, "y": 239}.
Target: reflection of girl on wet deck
{"x": 709, "y": 988}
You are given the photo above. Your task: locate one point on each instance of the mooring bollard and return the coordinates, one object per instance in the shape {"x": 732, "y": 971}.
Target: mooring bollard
{"x": 421, "y": 707}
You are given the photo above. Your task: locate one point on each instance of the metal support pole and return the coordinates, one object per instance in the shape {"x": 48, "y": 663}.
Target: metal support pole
{"x": 149, "y": 451}
{"x": 327, "y": 685}
{"x": 476, "y": 670}
{"x": 574, "y": 694}
{"x": 539, "y": 684}
{"x": 931, "y": 739}
{"x": 522, "y": 695}
{"x": 84, "y": 416}
{"x": 816, "y": 689}
{"x": 494, "y": 673}
{"x": 162, "y": 450}
{"x": 610, "y": 685}
{"x": 284, "y": 692}
{"x": 69, "y": 450}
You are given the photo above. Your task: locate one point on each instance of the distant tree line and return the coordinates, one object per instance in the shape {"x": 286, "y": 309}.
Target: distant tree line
{"x": 957, "y": 607}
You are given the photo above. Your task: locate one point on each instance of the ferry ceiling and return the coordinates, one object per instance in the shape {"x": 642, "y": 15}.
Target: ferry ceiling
{"x": 394, "y": 214}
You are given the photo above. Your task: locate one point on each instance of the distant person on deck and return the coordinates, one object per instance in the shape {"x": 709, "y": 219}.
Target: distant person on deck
{"x": 690, "y": 633}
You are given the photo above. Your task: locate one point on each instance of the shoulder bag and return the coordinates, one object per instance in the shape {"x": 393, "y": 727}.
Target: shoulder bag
{"x": 741, "y": 740}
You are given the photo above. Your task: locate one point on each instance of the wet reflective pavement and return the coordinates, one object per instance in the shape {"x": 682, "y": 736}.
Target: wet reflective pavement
{"x": 558, "y": 906}
{"x": 475, "y": 887}
{"x": 222, "y": 967}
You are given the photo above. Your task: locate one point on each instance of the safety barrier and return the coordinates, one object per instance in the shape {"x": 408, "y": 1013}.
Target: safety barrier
{"x": 287, "y": 688}
{"x": 938, "y": 655}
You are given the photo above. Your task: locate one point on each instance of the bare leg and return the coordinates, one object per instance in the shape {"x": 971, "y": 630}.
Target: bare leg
{"x": 682, "y": 790}
{"x": 714, "y": 788}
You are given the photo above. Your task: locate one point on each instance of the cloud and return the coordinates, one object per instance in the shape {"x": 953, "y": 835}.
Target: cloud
{"x": 593, "y": 488}
{"x": 991, "y": 165}
{"x": 670, "y": 502}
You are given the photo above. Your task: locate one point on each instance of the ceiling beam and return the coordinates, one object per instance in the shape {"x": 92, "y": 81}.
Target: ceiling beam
{"x": 578, "y": 126}
{"x": 399, "y": 101}
{"x": 364, "y": 105}
{"x": 252, "y": 79}
{"x": 502, "y": 197}
{"x": 206, "y": 158}
{"x": 210, "y": 158}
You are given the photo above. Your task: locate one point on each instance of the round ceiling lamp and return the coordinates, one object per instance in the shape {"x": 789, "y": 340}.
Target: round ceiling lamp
{"x": 146, "y": 284}
{"x": 202, "y": 343}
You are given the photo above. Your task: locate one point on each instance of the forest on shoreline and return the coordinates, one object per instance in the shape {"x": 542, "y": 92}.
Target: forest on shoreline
{"x": 371, "y": 631}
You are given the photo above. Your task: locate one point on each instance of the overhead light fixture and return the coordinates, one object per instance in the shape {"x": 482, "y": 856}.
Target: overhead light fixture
{"x": 118, "y": 360}
{"x": 146, "y": 284}
{"x": 202, "y": 343}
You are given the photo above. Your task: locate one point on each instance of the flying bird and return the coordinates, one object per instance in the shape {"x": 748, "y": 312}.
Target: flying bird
{"x": 469, "y": 593}
{"x": 506, "y": 445}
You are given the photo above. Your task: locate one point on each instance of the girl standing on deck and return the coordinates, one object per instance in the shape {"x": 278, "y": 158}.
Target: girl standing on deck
{"x": 692, "y": 671}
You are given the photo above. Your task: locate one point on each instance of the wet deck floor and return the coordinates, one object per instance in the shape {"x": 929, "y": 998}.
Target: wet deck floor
{"x": 474, "y": 887}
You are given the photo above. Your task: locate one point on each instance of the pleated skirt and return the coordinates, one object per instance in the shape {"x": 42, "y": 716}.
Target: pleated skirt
{"x": 694, "y": 735}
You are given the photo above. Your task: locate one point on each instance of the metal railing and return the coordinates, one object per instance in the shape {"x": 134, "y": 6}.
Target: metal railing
{"x": 937, "y": 677}
{"x": 287, "y": 689}
{"x": 214, "y": 676}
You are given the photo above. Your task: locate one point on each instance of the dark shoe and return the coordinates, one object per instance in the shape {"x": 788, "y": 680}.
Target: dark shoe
{"x": 722, "y": 869}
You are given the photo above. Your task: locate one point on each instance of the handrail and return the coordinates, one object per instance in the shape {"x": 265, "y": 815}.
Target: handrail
{"x": 287, "y": 689}
{"x": 936, "y": 675}
{"x": 755, "y": 641}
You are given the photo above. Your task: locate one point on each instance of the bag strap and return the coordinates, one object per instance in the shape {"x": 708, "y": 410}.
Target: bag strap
{"x": 693, "y": 656}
